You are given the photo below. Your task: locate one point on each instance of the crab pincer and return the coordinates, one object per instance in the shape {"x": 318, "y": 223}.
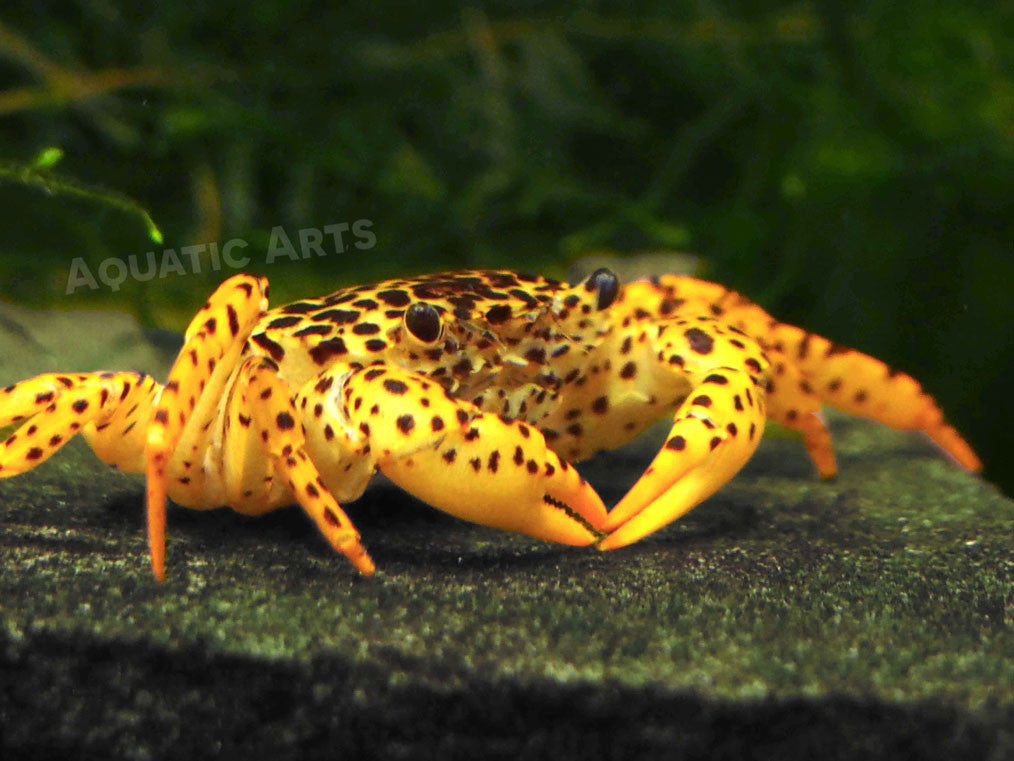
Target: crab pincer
{"x": 716, "y": 428}
{"x": 472, "y": 464}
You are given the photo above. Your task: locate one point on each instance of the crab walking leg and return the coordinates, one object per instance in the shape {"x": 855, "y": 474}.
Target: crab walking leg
{"x": 863, "y": 385}
{"x": 281, "y": 430}
{"x": 24, "y": 399}
{"x": 105, "y": 407}
{"x": 792, "y": 402}
{"x": 216, "y": 333}
{"x": 475, "y": 465}
{"x": 716, "y": 430}
{"x": 847, "y": 379}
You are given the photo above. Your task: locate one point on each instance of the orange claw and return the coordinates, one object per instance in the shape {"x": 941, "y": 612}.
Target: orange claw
{"x": 471, "y": 464}
{"x": 716, "y": 431}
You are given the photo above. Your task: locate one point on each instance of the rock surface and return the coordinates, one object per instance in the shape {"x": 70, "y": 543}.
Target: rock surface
{"x": 870, "y": 617}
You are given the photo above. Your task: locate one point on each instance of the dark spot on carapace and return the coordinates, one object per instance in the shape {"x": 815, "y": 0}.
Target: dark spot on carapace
{"x": 498, "y": 314}
{"x": 314, "y": 330}
{"x": 274, "y": 350}
{"x": 284, "y": 322}
{"x": 338, "y": 316}
{"x": 394, "y": 298}
{"x": 300, "y": 307}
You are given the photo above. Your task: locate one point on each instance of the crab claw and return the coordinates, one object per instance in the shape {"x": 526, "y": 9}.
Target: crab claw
{"x": 501, "y": 474}
{"x": 471, "y": 464}
{"x": 716, "y": 430}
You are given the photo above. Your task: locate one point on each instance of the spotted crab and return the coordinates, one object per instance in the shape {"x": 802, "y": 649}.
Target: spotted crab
{"x": 474, "y": 391}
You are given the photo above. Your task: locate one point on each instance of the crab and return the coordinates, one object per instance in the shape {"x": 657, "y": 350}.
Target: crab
{"x": 473, "y": 391}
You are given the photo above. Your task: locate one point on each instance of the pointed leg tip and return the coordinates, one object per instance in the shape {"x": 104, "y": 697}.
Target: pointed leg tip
{"x": 364, "y": 564}
{"x": 948, "y": 438}
{"x": 357, "y": 555}
{"x": 158, "y": 564}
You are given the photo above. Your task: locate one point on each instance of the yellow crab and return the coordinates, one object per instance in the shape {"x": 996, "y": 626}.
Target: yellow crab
{"x": 470, "y": 390}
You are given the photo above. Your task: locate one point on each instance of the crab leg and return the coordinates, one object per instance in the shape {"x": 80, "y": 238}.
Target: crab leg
{"x": 809, "y": 370}
{"x": 217, "y": 332}
{"x": 792, "y": 402}
{"x": 281, "y": 430}
{"x": 863, "y": 385}
{"x": 105, "y": 407}
{"x": 447, "y": 452}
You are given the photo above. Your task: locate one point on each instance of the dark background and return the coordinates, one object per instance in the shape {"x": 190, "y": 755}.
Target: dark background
{"x": 850, "y": 169}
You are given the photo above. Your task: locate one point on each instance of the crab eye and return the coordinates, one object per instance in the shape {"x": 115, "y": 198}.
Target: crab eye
{"x": 423, "y": 322}
{"x": 607, "y": 284}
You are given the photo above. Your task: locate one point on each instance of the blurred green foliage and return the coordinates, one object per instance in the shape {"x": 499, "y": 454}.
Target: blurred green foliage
{"x": 851, "y": 168}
